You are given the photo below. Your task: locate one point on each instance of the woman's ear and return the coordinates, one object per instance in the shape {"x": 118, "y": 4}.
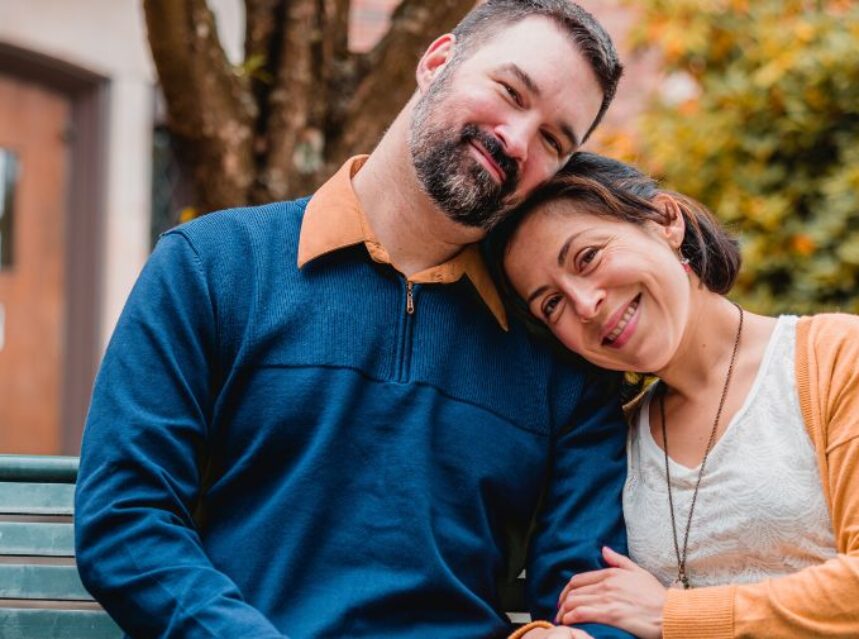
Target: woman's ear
{"x": 674, "y": 228}
{"x": 434, "y": 59}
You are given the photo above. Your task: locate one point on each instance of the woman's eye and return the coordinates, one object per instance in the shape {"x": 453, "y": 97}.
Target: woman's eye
{"x": 587, "y": 256}
{"x": 551, "y": 305}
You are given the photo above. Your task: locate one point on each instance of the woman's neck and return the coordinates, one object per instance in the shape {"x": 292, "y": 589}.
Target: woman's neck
{"x": 702, "y": 359}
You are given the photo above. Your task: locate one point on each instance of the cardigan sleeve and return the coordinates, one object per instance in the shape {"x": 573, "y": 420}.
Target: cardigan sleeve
{"x": 821, "y": 600}
{"x": 523, "y": 630}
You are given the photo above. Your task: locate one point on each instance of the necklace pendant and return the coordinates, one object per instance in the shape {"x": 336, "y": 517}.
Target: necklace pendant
{"x": 681, "y": 583}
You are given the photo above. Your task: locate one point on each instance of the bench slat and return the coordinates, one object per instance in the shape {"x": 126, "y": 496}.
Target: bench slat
{"x": 41, "y": 582}
{"x": 36, "y": 499}
{"x": 56, "y": 624}
{"x": 37, "y": 539}
{"x": 40, "y": 468}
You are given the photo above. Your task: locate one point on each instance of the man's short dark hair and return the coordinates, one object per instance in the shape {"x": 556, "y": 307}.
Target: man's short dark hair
{"x": 486, "y": 20}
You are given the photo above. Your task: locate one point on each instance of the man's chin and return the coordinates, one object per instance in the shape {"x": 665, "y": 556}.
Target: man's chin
{"x": 482, "y": 219}
{"x": 468, "y": 200}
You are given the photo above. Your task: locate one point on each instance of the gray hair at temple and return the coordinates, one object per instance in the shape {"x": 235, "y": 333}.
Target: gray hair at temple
{"x": 588, "y": 35}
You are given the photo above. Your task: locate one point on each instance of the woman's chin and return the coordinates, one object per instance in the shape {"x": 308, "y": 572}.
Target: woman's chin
{"x": 638, "y": 363}
{"x": 635, "y": 357}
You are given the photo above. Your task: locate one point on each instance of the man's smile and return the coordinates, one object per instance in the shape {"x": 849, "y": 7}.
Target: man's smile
{"x": 488, "y": 162}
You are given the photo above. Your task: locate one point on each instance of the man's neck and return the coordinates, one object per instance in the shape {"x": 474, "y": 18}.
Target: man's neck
{"x": 415, "y": 233}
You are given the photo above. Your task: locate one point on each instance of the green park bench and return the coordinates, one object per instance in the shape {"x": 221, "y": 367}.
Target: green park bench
{"x": 41, "y": 596}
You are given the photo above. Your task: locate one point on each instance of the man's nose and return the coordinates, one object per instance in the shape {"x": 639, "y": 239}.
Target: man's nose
{"x": 516, "y": 136}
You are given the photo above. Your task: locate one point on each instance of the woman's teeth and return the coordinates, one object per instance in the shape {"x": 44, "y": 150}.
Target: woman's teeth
{"x": 627, "y": 315}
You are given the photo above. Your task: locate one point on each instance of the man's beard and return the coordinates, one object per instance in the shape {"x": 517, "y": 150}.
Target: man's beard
{"x": 458, "y": 184}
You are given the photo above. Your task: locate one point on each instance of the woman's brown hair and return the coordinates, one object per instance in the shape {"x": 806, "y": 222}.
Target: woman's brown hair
{"x": 602, "y": 186}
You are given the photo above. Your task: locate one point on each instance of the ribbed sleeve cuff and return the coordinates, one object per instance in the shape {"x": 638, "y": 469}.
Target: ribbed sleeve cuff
{"x": 534, "y": 624}
{"x": 705, "y": 613}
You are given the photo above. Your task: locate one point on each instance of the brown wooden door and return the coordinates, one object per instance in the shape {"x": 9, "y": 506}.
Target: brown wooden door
{"x": 33, "y": 125}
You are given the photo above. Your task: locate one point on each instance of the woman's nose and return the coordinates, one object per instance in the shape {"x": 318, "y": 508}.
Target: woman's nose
{"x": 586, "y": 299}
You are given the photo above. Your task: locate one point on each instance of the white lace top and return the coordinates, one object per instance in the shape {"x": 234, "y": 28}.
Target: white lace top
{"x": 760, "y": 512}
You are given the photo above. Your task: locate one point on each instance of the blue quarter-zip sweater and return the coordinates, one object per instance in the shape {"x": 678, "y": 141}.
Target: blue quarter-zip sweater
{"x": 365, "y": 471}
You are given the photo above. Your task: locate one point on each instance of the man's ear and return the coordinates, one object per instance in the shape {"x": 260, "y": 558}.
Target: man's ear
{"x": 434, "y": 59}
{"x": 674, "y": 228}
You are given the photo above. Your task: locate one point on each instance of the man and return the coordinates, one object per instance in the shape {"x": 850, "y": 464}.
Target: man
{"x": 311, "y": 422}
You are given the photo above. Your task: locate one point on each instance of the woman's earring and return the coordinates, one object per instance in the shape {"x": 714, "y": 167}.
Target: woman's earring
{"x": 684, "y": 262}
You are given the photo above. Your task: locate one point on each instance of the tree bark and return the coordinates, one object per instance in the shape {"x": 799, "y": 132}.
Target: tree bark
{"x": 210, "y": 108}
{"x": 280, "y": 123}
{"x": 390, "y": 80}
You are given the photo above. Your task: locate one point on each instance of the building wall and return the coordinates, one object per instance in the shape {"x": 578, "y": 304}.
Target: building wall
{"x": 108, "y": 37}
{"x": 103, "y": 37}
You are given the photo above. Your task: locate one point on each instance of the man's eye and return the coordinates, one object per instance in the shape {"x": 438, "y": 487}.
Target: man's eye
{"x": 514, "y": 95}
{"x": 554, "y": 144}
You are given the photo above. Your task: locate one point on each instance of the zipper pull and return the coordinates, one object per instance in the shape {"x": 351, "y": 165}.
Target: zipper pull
{"x": 410, "y": 300}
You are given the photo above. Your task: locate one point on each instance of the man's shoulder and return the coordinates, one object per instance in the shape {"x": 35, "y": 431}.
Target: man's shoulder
{"x": 234, "y": 244}
{"x": 230, "y": 225}
{"x": 244, "y": 234}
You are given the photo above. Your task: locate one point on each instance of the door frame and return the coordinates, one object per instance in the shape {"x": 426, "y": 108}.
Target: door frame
{"x": 88, "y": 95}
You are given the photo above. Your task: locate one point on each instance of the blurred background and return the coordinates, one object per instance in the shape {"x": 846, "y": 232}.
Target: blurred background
{"x": 122, "y": 118}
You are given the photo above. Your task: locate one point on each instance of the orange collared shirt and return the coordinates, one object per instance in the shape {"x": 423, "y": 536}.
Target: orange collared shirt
{"x": 334, "y": 220}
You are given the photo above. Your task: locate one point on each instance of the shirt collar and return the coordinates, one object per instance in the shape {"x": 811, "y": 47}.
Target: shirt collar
{"x": 335, "y": 220}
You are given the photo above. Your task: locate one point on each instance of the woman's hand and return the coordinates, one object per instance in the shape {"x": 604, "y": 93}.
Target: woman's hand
{"x": 558, "y": 632}
{"x": 625, "y": 596}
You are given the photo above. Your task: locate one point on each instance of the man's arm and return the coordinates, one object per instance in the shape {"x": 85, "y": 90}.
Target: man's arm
{"x": 138, "y": 550}
{"x": 582, "y": 510}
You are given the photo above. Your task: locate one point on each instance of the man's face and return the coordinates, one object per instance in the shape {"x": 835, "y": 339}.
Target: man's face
{"x": 491, "y": 128}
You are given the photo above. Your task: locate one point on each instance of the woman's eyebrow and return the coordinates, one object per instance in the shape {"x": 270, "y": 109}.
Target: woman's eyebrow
{"x": 537, "y": 294}
{"x": 562, "y": 254}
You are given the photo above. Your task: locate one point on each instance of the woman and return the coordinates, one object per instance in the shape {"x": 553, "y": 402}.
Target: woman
{"x": 742, "y": 499}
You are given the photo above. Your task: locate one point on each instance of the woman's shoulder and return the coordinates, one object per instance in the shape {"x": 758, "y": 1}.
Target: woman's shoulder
{"x": 829, "y": 333}
{"x": 832, "y": 319}
{"x": 827, "y": 372}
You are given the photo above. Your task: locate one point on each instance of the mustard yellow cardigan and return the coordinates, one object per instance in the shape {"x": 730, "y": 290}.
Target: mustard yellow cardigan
{"x": 821, "y": 600}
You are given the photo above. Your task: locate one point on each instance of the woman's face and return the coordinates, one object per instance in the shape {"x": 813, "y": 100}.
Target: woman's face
{"x": 612, "y": 291}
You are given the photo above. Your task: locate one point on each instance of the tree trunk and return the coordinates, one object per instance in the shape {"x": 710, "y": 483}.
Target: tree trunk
{"x": 280, "y": 123}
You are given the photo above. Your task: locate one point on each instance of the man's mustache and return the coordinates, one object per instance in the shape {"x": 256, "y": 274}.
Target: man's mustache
{"x": 493, "y": 147}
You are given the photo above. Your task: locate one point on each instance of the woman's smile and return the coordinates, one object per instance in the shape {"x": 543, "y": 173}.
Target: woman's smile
{"x": 622, "y": 324}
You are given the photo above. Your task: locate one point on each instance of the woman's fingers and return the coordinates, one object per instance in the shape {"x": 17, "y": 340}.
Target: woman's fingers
{"x": 614, "y": 559}
{"x": 584, "y": 579}
{"x": 617, "y": 560}
{"x": 586, "y": 614}
{"x": 577, "y": 600}
{"x": 566, "y": 633}
{"x": 630, "y": 599}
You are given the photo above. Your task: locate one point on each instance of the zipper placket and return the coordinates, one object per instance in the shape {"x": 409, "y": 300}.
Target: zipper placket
{"x": 406, "y": 339}
{"x": 410, "y": 300}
